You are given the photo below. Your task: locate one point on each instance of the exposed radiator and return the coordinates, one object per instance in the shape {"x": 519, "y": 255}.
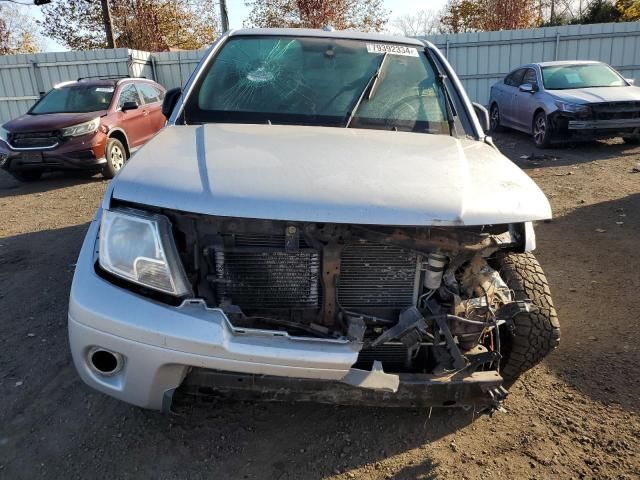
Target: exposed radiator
{"x": 269, "y": 279}
{"x": 377, "y": 276}
{"x": 255, "y": 272}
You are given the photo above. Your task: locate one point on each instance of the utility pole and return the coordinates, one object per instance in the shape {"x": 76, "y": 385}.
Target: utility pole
{"x": 224, "y": 15}
{"x": 108, "y": 27}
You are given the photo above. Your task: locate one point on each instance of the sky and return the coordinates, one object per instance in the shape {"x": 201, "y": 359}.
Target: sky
{"x": 238, "y": 13}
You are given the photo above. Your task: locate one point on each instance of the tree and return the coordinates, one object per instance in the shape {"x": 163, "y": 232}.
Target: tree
{"x": 629, "y": 10}
{"x": 488, "y": 15}
{"x": 366, "y": 15}
{"x": 153, "y": 25}
{"x": 16, "y": 32}
{"x": 420, "y": 23}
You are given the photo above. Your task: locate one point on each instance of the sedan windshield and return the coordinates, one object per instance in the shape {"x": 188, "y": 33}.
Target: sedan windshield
{"x": 320, "y": 81}
{"x": 564, "y": 77}
{"x": 74, "y": 99}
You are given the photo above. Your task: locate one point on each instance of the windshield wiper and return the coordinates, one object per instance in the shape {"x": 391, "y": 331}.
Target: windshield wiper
{"x": 368, "y": 90}
{"x": 450, "y": 108}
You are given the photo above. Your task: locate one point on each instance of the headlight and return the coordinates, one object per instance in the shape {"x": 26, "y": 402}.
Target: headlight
{"x": 81, "y": 129}
{"x": 139, "y": 247}
{"x": 572, "y": 107}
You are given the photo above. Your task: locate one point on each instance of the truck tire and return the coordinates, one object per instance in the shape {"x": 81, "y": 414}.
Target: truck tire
{"x": 536, "y": 333}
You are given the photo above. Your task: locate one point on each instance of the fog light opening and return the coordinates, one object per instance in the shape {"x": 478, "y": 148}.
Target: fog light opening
{"x": 105, "y": 362}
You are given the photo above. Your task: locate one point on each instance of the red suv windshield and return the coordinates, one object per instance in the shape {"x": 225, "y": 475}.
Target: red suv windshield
{"x": 75, "y": 99}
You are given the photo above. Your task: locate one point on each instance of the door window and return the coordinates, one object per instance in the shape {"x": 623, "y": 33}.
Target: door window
{"x": 150, "y": 94}
{"x": 514, "y": 79}
{"x": 128, "y": 94}
{"x": 530, "y": 77}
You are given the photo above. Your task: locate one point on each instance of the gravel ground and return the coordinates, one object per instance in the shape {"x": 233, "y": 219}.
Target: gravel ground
{"x": 574, "y": 416}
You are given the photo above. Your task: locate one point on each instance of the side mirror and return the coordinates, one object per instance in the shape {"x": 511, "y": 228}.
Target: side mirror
{"x": 170, "y": 99}
{"x": 630, "y": 81}
{"x": 483, "y": 116}
{"x": 528, "y": 88}
{"x": 129, "y": 106}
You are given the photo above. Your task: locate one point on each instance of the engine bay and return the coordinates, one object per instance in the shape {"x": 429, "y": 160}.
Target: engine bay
{"x": 417, "y": 299}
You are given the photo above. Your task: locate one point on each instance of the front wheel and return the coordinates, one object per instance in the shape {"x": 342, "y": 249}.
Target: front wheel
{"x": 116, "y": 156}
{"x": 541, "y": 130}
{"x": 535, "y": 333}
{"x": 494, "y": 118}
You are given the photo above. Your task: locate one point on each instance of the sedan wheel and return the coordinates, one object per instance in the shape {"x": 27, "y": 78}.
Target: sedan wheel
{"x": 541, "y": 130}
{"x": 494, "y": 118}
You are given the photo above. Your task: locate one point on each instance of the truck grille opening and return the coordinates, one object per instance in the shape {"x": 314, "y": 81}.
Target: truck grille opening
{"x": 34, "y": 140}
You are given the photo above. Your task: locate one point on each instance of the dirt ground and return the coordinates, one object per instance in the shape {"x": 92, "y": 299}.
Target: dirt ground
{"x": 575, "y": 416}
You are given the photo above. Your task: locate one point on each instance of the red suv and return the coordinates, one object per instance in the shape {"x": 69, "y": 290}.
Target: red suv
{"x": 92, "y": 124}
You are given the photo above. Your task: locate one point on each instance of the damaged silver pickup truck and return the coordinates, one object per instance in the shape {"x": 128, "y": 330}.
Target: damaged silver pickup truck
{"x": 322, "y": 219}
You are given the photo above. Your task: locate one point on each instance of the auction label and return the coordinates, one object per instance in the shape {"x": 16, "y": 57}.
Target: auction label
{"x": 392, "y": 49}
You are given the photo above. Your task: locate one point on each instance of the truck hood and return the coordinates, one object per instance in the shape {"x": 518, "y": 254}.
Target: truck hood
{"x": 321, "y": 174}
{"x": 598, "y": 94}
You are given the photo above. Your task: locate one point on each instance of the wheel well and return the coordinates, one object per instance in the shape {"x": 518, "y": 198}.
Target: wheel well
{"x": 123, "y": 139}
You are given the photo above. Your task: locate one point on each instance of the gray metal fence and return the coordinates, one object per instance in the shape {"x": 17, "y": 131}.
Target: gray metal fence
{"x": 480, "y": 59}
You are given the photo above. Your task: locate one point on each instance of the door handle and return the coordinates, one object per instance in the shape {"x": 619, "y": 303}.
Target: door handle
{"x": 145, "y": 112}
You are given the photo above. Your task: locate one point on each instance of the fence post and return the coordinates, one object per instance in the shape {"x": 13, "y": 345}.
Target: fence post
{"x": 38, "y": 77}
{"x": 555, "y": 55}
{"x": 446, "y": 55}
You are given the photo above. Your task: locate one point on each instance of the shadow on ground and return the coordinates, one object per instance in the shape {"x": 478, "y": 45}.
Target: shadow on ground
{"x": 10, "y": 187}
{"x": 513, "y": 144}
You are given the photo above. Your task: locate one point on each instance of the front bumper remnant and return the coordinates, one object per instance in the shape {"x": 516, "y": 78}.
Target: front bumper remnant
{"x": 479, "y": 389}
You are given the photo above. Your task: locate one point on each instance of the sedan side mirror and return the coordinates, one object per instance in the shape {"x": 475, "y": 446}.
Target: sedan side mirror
{"x": 170, "y": 99}
{"x": 129, "y": 106}
{"x": 528, "y": 88}
{"x": 630, "y": 81}
{"x": 483, "y": 116}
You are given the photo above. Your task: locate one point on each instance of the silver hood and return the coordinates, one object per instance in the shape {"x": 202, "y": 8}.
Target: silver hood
{"x": 329, "y": 175}
{"x": 597, "y": 94}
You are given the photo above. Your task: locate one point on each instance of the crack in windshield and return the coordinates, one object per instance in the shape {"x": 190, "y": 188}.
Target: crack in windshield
{"x": 318, "y": 81}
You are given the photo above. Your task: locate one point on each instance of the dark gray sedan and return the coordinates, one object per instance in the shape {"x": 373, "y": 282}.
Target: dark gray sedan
{"x": 567, "y": 100}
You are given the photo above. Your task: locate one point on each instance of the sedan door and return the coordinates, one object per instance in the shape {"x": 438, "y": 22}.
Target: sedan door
{"x": 526, "y": 103}
{"x": 133, "y": 122}
{"x": 507, "y": 112}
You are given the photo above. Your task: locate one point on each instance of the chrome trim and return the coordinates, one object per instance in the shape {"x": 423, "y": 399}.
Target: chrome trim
{"x": 25, "y": 149}
{"x": 595, "y": 124}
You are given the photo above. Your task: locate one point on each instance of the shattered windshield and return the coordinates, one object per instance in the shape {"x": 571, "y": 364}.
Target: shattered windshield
{"x": 320, "y": 81}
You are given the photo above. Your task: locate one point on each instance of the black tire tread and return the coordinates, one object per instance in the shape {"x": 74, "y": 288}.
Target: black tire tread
{"x": 537, "y": 333}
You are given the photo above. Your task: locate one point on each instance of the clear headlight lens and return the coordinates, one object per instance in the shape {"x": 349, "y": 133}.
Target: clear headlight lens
{"x": 139, "y": 247}
{"x": 572, "y": 107}
{"x": 81, "y": 129}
